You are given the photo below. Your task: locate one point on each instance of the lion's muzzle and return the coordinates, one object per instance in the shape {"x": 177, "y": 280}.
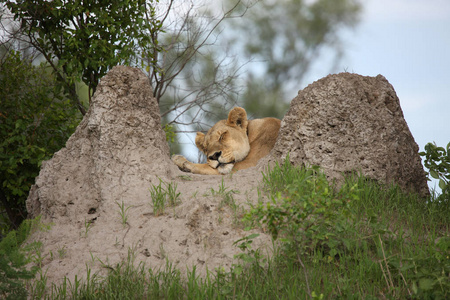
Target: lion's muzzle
{"x": 215, "y": 155}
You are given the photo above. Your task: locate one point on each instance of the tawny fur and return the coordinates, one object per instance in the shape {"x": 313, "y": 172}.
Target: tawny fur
{"x": 233, "y": 144}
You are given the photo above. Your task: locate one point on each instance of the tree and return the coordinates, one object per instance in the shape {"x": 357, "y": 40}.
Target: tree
{"x": 35, "y": 121}
{"x": 82, "y": 40}
{"x": 286, "y": 38}
{"x": 189, "y": 77}
{"x": 208, "y": 48}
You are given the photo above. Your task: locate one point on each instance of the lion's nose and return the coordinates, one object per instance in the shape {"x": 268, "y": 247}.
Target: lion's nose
{"x": 216, "y": 155}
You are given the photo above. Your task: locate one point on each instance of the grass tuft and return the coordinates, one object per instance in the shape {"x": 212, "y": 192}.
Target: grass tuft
{"x": 163, "y": 194}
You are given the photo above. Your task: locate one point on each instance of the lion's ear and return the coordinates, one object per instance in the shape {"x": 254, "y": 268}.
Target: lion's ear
{"x": 200, "y": 142}
{"x": 238, "y": 117}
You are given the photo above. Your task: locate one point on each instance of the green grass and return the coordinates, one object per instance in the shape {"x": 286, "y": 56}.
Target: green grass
{"x": 13, "y": 262}
{"x": 123, "y": 212}
{"x": 360, "y": 241}
{"x": 164, "y": 194}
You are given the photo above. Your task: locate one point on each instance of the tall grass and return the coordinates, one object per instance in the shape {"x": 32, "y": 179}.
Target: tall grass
{"x": 394, "y": 245}
{"x": 360, "y": 241}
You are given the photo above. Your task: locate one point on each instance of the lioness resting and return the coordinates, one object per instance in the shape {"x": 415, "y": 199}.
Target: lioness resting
{"x": 232, "y": 144}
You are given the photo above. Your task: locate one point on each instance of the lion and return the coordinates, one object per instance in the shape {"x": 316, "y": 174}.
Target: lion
{"x": 233, "y": 144}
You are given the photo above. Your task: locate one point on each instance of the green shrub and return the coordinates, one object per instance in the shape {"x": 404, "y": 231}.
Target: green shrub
{"x": 437, "y": 161}
{"x": 305, "y": 211}
{"x": 170, "y": 133}
{"x": 35, "y": 122}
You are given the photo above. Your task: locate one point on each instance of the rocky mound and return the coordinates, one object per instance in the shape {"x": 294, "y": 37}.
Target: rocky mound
{"x": 96, "y": 192}
{"x": 347, "y": 122}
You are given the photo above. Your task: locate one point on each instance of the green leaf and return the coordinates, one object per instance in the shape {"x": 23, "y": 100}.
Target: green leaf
{"x": 252, "y": 236}
{"x": 434, "y": 174}
{"x": 442, "y": 184}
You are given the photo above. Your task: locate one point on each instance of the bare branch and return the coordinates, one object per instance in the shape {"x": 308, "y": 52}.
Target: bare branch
{"x": 184, "y": 41}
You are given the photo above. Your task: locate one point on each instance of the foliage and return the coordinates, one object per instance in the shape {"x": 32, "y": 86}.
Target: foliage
{"x": 170, "y": 134}
{"x": 429, "y": 271}
{"x": 306, "y": 213}
{"x": 13, "y": 262}
{"x": 228, "y": 200}
{"x": 249, "y": 255}
{"x": 124, "y": 280}
{"x": 437, "y": 161}
{"x": 123, "y": 212}
{"x": 410, "y": 238}
{"x": 84, "y": 39}
{"x": 35, "y": 122}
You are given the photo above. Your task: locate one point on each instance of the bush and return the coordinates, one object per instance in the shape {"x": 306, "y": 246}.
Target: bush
{"x": 305, "y": 212}
{"x": 437, "y": 161}
{"x": 35, "y": 121}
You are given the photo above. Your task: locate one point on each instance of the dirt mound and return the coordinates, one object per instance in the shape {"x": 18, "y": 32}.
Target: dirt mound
{"x": 96, "y": 192}
{"x": 348, "y": 122}
{"x": 110, "y": 156}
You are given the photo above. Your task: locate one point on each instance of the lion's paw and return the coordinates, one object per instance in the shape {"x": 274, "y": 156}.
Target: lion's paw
{"x": 181, "y": 162}
{"x": 225, "y": 169}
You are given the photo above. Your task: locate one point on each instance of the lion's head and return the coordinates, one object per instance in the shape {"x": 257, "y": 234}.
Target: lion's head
{"x": 226, "y": 143}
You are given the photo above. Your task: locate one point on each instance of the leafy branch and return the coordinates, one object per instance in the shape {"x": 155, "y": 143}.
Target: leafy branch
{"x": 437, "y": 161}
{"x": 82, "y": 40}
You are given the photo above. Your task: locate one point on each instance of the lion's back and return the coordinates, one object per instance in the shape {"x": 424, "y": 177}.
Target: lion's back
{"x": 262, "y": 135}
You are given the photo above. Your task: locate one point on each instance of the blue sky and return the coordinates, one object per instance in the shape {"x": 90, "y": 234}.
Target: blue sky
{"x": 408, "y": 42}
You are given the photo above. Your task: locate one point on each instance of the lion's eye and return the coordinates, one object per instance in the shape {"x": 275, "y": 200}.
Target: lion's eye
{"x": 222, "y": 136}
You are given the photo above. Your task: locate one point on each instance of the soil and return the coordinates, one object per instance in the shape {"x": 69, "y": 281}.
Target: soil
{"x": 198, "y": 232}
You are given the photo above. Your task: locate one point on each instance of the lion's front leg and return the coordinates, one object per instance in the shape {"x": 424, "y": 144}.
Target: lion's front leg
{"x": 187, "y": 166}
